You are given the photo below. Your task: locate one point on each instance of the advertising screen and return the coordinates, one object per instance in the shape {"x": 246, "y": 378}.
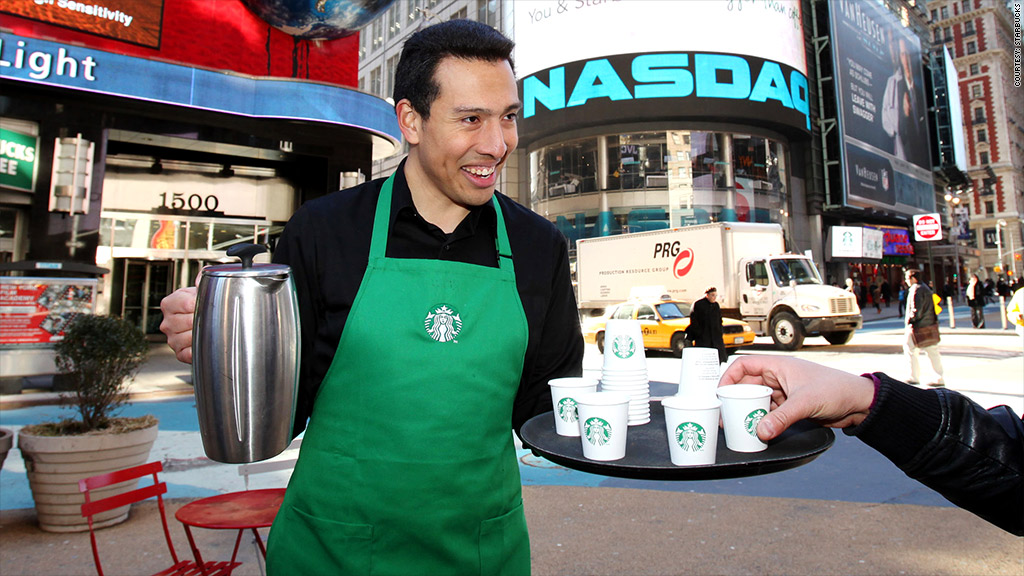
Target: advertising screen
{"x": 584, "y": 61}
{"x": 35, "y": 311}
{"x": 882, "y": 109}
{"x": 135, "y": 21}
{"x": 956, "y": 111}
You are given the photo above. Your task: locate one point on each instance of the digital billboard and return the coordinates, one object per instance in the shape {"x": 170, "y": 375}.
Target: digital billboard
{"x": 582, "y": 62}
{"x": 883, "y": 114}
{"x": 135, "y": 21}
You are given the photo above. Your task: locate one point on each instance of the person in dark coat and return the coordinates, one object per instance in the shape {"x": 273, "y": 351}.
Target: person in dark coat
{"x": 705, "y": 329}
{"x": 976, "y": 300}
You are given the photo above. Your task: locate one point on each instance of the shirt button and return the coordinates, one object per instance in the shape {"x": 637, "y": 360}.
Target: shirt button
{"x": 447, "y": 248}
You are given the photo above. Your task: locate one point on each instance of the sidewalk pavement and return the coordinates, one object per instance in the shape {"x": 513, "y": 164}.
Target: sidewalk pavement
{"x": 578, "y": 530}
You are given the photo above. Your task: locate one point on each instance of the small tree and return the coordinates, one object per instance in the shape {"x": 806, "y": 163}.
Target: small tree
{"x": 100, "y": 354}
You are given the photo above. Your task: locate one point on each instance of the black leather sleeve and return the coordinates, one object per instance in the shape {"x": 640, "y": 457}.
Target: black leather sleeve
{"x": 972, "y": 456}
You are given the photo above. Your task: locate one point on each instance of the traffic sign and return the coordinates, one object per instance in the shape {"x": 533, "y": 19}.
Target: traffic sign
{"x": 927, "y": 228}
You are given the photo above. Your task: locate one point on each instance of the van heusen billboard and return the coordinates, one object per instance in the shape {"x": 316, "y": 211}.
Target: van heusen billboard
{"x": 882, "y": 109}
{"x": 633, "y": 60}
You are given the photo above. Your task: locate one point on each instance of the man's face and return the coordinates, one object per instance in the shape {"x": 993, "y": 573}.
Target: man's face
{"x": 909, "y": 279}
{"x": 712, "y": 296}
{"x": 470, "y": 133}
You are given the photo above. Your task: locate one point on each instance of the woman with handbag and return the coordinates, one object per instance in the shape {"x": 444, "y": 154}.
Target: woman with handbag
{"x": 976, "y": 300}
{"x": 922, "y": 329}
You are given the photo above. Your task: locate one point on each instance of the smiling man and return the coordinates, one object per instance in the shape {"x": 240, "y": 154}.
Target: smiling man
{"x": 434, "y": 311}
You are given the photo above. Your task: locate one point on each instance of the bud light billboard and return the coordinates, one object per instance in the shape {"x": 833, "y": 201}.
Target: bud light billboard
{"x": 589, "y": 63}
{"x": 883, "y": 116}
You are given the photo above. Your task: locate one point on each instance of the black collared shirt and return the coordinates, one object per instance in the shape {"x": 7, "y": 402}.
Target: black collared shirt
{"x": 327, "y": 244}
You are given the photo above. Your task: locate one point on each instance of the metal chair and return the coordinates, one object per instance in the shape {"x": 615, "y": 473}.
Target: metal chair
{"x": 157, "y": 488}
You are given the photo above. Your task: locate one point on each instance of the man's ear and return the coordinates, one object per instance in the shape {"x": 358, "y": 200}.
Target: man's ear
{"x": 409, "y": 121}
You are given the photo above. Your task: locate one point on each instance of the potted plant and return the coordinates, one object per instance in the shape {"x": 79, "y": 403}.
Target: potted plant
{"x": 98, "y": 356}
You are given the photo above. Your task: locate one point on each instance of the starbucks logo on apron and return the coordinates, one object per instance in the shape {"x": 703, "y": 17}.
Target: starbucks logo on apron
{"x": 623, "y": 346}
{"x": 750, "y": 422}
{"x": 598, "y": 431}
{"x": 691, "y": 436}
{"x": 443, "y": 323}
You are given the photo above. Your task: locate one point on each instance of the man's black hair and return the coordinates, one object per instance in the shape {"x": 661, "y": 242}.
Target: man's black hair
{"x": 461, "y": 38}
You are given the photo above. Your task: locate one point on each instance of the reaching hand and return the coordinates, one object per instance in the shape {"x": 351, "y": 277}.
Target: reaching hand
{"x": 178, "y": 309}
{"x": 802, "y": 389}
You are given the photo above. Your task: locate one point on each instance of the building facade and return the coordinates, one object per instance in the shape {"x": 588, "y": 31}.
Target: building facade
{"x": 979, "y": 34}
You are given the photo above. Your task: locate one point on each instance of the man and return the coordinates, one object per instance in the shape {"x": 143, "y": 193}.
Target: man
{"x": 705, "y": 329}
{"x": 976, "y": 301}
{"x": 920, "y": 314}
{"x": 434, "y": 312}
{"x": 972, "y": 456}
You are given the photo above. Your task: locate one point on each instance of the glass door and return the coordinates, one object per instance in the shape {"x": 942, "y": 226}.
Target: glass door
{"x": 145, "y": 283}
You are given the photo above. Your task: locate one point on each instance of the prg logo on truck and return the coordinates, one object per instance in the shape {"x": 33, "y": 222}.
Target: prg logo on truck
{"x": 684, "y": 257}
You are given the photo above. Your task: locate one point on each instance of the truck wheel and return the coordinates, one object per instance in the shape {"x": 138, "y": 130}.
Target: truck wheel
{"x": 600, "y": 342}
{"x": 787, "y": 332}
{"x": 678, "y": 343}
{"x": 838, "y": 338}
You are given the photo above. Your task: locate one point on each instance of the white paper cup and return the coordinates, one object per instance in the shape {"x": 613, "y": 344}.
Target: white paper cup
{"x": 700, "y": 372}
{"x": 692, "y": 426}
{"x": 563, "y": 402}
{"x": 603, "y": 425}
{"x": 743, "y": 406}
{"x": 623, "y": 346}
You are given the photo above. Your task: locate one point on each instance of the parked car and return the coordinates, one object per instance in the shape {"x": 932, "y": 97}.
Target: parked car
{"x": 663, "y": 324}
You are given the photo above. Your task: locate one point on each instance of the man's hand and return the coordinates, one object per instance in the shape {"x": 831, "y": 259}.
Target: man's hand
{"x": 178, "y": 309}
{"x": 802, "y": 389}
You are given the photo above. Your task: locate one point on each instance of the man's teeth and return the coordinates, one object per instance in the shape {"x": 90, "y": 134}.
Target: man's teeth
{"x": 480, "y": 171}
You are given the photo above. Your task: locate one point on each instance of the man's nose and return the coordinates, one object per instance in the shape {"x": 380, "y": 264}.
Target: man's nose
{"x": 493, "y": 140}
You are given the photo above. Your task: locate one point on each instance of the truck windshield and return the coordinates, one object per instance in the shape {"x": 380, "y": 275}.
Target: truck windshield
{"x": 673, "y": 310}
{"x": 798, "y": 269}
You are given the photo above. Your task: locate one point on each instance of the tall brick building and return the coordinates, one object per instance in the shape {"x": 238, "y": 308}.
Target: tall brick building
{"x": 979, "y": 34}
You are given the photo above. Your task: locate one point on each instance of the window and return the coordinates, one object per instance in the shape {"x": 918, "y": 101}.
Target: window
{"x": 758, "y": 273}
{"x": 935, "y": 15}
{"x": 979, "y": 115}
{"x": 944, "y": 11}
{"x": 389, "y": 76}
{"x": 394, "y": 21}
{"x": 965, "y": 6}
{"x": 376, "y": 85}
{"x": 982, "y": 135}
{"x": 377, "y": 34}
{"x": 624, "y": 312}
{"x": 976, "y": 91}
{"x": 460, "y": 14}
{"x": 969, "y": 28}
{"x": 645, "y": 312}
{"x": 990, "y": 207}
{"x": 411, "y": 13}
{"x": 947, "y": 34}
{"x": 937, "y": 36}
{"x": 983, "y": 157}
{"x": 487, "y": 12}
{"x": 975, "y": 70}
{"x": 972, "y": 47}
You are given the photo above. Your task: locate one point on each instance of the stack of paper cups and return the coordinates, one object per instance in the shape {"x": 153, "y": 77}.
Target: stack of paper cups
{"x": 625, "y": 368}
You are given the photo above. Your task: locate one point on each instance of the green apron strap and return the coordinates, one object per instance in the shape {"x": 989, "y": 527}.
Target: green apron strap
{"x": 381, "y": 219}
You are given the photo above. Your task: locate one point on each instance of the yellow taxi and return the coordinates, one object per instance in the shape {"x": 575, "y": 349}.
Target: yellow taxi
{"x": 663, "y": 324}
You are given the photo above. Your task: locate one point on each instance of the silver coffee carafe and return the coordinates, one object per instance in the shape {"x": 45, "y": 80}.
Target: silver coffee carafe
{"x": 245, "y": 358}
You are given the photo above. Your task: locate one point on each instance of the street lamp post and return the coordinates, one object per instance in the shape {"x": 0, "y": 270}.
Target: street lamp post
{"x": 999, "y": 241}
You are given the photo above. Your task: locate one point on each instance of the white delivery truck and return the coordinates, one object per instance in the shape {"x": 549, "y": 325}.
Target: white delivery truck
{"x": 776, "y": 293}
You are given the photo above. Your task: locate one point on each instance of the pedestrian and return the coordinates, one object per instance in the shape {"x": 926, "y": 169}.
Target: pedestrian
{"x": 705, "y": 329}
{"x": 971, "y": 456}
{"x": 922, "y": 329}
{"x": 976, "y": 301}
{"x": 886, "y": 293}
{"x": 902, "y": 298}
{"x": 876, "y": 297}
{"x": 990, "y": 290}
{"x": 408, "y": 463}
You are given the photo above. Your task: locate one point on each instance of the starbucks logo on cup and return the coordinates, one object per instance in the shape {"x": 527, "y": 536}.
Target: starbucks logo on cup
{"x": 750, "y": 422}
{"x": 691, "y": 436}
{"x": 567, "y": 410}
{"x": 623, "y": 346}
{"x": 443, "y": 323}
{"x": 597, "y": 431}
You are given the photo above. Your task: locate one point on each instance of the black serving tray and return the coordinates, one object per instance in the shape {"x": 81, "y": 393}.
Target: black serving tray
{"x": 647, "y": 456}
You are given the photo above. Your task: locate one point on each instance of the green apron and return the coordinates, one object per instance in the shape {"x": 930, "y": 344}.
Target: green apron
{"x": 408, "y": 465}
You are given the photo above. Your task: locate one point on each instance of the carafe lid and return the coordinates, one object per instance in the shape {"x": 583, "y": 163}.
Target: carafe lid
{"x": 247, "y": 268}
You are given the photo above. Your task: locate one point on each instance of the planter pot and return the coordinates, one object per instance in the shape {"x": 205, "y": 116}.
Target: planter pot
{"x": 55, "y": 464}
{"x": 6, "y": 441}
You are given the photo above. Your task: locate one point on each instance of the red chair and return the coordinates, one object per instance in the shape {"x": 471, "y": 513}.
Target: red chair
{"x": 158, "y": 489}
